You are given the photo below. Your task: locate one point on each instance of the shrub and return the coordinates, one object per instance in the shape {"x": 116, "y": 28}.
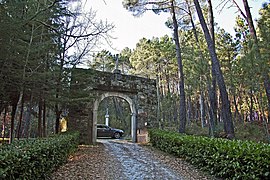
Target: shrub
{"x": 36, "y": 158}
{"x": 232, "y": 159}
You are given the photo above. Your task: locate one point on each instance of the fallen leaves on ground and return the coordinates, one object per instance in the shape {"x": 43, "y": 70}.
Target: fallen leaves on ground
{"x": 95, "y": 162}
{"x": 89, "y": 162}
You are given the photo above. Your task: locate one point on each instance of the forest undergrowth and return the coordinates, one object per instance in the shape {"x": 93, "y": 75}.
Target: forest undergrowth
{"x": 253, "y": 131}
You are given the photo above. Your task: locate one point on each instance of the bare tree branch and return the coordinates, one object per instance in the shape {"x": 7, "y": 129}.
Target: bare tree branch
{"x": 42, "y": 10}
{"x": 240, "y": 10}
{"x": 105, "y": 29}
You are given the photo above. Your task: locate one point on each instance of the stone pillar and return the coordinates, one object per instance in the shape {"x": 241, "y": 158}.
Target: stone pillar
{"x": 91, "y": 127}
{"x": 134, "y": 127}
{"x": 94, "y": 128}
{"x": 107, "y": 118}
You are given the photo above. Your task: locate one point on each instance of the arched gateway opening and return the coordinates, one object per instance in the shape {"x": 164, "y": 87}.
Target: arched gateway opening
{"x": 89, "y": 87}
{"x": 132, "y": 109}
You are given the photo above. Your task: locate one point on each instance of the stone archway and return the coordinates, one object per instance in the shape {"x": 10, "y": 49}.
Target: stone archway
{"x": 132, "y": 109}
{"x": 89, "y": 87}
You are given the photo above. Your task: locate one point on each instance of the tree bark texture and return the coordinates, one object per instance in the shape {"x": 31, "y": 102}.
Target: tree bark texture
{"x": 202, "y": 109}
{"x": 158, "y": 98}
{"x": 40, "y": 117}
{"x": 57, "y": 118}
{"x": 44, "y": 119}
{"x": 211, "y": 21}
{"x": 237, "y": 114}
{"x": 13, "y": 114}
{"x": 227, "y": 115}
{"x": 20, "y": 118}
{"x": 212, "y": 90}
{"x": 182, "y": 108}
{"x": 250, "y": 21}
{"x": 27, "y": 119}
{"x": 253, "y": 34}
{"x": 4, "y": 123}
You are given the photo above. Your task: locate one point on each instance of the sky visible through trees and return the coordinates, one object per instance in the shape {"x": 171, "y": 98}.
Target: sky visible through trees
{"x": 214, "y": 85}
{"x": 129, "y": 29}
{"x": 212, "y": 79}
{"x": 210, "y": 82}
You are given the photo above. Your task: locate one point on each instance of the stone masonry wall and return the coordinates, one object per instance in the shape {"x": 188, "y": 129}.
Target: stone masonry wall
{"x": 88, "y": 84}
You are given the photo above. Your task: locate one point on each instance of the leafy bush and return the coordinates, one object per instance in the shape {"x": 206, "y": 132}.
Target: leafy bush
{"x": 36, "y": 158}
{"x": 224, "y": 158}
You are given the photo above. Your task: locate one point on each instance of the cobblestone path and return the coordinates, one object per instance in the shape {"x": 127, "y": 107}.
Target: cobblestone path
{"x": 121, "y": 160}
{"x": 137, "y": 163}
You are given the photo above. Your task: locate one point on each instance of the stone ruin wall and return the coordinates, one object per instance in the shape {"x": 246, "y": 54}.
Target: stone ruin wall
{"x": 95, "y": 83}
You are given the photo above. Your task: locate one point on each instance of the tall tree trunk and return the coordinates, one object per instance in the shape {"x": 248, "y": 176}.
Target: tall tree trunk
{"x": 237, "y": 113}
{"x": 227, "y": 115}
{"x": 14, "y": 104}
{"x": 189, "y": 110}
{"x": 4, "y": 123}
{"x": 27, "y": 119}
{"x": 211, "y": 21}
{"x": 161, "y": 94}
{"x": 212, "y": 90}
{"x": 251, "y": 26}
{"x": 182, "y": 108}
{"x": 59, "y": 85}
{"x": 211, "y": 122}
{"x": 261, "y": 114}
{"x": 12, "y": 122}
{"x": 213, "y": 101}
{"x": 58, "y": 89}
{"x": 158, "y": 98}
{"x": 40, "y": 117}
{"x": 43, "y": 91}
{"x": 167, "y": 82}
{"x": 21, "y": 94}
{"x": 253, "y": 34}
{"x": 202, "y": 109}
{"x": 251, "y": 106}
{"x": 2, "y": 105}
{"x": 21, "y": 117}
{"x": 175, "y": 112}
{"x": 57, "y": 118}
{"x": 44, "y": 119}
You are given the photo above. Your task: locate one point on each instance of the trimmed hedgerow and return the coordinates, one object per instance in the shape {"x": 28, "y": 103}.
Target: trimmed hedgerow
{"x": 36, "y": 158}
{"x": 231, "y": 159}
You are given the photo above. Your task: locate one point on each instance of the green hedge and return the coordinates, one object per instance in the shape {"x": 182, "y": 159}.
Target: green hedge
{"x": 223, "y": 158}
{"x": 36, "y": 158}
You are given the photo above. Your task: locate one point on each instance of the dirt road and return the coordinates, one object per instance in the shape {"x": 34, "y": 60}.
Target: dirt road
{"x": 138, "y": 163}
{"x": 123, "y": 160}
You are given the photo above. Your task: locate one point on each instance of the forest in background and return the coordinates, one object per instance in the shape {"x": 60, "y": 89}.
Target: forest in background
{"x": 41, "y": 41}
{"x": 244, "y": 64}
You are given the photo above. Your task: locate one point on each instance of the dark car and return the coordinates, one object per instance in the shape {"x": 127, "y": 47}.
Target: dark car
{"x": 107, "y": 131}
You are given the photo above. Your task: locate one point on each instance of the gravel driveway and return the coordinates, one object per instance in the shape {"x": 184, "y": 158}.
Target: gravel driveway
{"x": 120, "y": 159}
{"x": 138, "y": 163}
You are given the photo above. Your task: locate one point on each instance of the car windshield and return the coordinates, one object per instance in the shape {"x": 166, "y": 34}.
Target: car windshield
{"x": 103, "y": 127}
